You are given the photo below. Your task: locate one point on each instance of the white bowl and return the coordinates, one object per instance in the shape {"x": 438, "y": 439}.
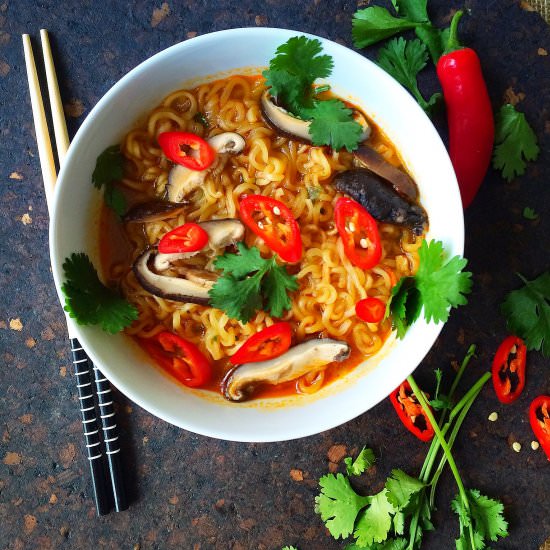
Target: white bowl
{"x": 74, "y": 229}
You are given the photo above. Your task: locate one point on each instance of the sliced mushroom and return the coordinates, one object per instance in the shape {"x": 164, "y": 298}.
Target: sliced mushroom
{"x": 297, "y": 361}
{"x": 183, "y": 180}
{"x": 376, "y": 163}
{"x": 192, "y": 287}
{"x": 380, "y": 199}
{"x": 153, "y": 211}
{"x": 221, "y": 233}
{"x": 293, "y": 127}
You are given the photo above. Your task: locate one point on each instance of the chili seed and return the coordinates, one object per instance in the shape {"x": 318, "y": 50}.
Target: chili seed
{"x": 535, "y": 445}
{"x": 493, "y": 417}
{"x": 363, "y": 242}
{"x": 276, "y": 211}
{"x": 516, "y": 446}
{"x": 260, "y": 225}
{"x": 351, "y": 227}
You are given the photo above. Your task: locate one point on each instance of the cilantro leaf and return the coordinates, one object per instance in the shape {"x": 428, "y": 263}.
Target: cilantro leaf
{"x": 439, "y": 402}
{"x": 365, "y": 459}
{"x": 89, "y": 301}
{"x": 338, "y": 504}
{"x": 405, "y": 305}
{"x": 289, "y": 548}
{"x": 375, "y": 522}
{"x": 400, "y": 487}
{"x": 515, "y": 142}
{"x": 314, "y": 192}
{"x": 527, "y": 312}
{"x": 415, "y": 10}
{"x": 109, "y": 169}
{"x": 370, "y": 25}
{"x": 404, "y": 59}
{"x": 239, "y": 298}
{"x": 332, "y": 124}
{"x": 434, "y": 38}
{"x": 275, "y": 285}
{"x": 484, "y": 514}
{"x": 250, "y": 283}
{"x": 240, "y": 265}
{"x": 529, "y": 213}
{"x": 296, "y": 65}
{"x": 441, "y": 284}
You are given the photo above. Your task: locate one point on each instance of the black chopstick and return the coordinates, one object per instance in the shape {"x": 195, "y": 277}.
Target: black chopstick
{"x": 90, "y": 425}
{"x": 110, "y": 438}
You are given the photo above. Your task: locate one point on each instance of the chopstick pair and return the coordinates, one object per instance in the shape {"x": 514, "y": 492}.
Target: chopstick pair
{"x": 94, "y": 390}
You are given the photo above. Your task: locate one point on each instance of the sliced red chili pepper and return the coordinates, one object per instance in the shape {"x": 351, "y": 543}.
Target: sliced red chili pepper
{"x": 371, "y": 310}
{"x": 188, "y": 237}
{"x": 187, "y": 149}
{"x": 181, "y": 358}
{"x": 539, "y": 417}
{"x": 272, "y": 221}
{"x": 469, "y": 114}
{"x": 359, "y": 233}
{"x": 410, "y": 412}
{"x": 266, "y": 344}
{"x": 509, "y": 369}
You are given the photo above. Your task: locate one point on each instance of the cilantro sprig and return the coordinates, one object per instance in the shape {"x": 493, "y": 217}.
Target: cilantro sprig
{"x": 397, "y": 517}
{"x": 290, "y": 77}
{"x": 89, "y": 301}
{"x": 404, "y": 59}
{"x": 250, "y": 283}
{"x": 515, "y": 143}
{"x": 527, "y": 312}
{"x": 438, "y": 286}
{"x": 107, "y": 171}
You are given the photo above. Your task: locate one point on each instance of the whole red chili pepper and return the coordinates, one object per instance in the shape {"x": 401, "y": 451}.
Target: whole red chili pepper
{"x": 469, "y": 114}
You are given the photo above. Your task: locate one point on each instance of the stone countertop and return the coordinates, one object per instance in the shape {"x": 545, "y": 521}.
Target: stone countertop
{"x": 194, "y": 492}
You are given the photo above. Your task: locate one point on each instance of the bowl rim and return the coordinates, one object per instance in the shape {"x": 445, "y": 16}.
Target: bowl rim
{"x": 140, "y": 397}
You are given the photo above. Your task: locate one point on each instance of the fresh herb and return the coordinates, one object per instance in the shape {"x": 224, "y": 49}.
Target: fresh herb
{"x": 373, "y": 24}
{"x": 332, "y": 124}
{"x": 290, "y": 77}
{"x": 404, "y": 59}
{"x": 89, "y": 301}
{"x": 438, "y": 285}
{"x": 250, "y": 283}
{"x": 365, "y": 459}
{"x": 396, "y": 517}
{"x": 515, "y": 143}
{"x": 294, "y": 69}
{"x": 201, "y": 119}
{"x": 109, "y": 169}
{"x": 289, "y": 548}
{"x": 527, "y": 313}
{"x": 529, "y": 213}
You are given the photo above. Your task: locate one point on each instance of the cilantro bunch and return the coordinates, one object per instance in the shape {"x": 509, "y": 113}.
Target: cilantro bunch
{"x": 290, "y": 77}
{"x": 397, "y": 517}
{"x": 250, "y": 283}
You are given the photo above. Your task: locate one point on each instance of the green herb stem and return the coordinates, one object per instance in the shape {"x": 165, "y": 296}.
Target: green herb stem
{"x": 450, "y": 459}
{"x": 453, "y": 44}
{"x": 466, "y": 403}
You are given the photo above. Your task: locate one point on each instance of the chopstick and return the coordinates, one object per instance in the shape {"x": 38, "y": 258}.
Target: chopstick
{"x": 82, "y": 364}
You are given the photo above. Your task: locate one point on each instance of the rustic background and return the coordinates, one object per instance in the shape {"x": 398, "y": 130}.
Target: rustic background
{"x": 189, "y": 491}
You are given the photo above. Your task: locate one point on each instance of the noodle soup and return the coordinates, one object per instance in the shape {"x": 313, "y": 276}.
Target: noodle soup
{"x": 272, "y": 164}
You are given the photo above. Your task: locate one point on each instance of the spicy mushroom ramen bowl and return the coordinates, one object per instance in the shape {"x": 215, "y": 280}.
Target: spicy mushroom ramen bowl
{"x": 240, "y": 233}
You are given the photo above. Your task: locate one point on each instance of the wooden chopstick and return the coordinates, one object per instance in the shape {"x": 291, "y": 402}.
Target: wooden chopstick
{"x": 83, "y": 366}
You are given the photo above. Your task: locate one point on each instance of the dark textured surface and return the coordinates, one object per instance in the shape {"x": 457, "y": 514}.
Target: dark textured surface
{"x": 193, "y": 492}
